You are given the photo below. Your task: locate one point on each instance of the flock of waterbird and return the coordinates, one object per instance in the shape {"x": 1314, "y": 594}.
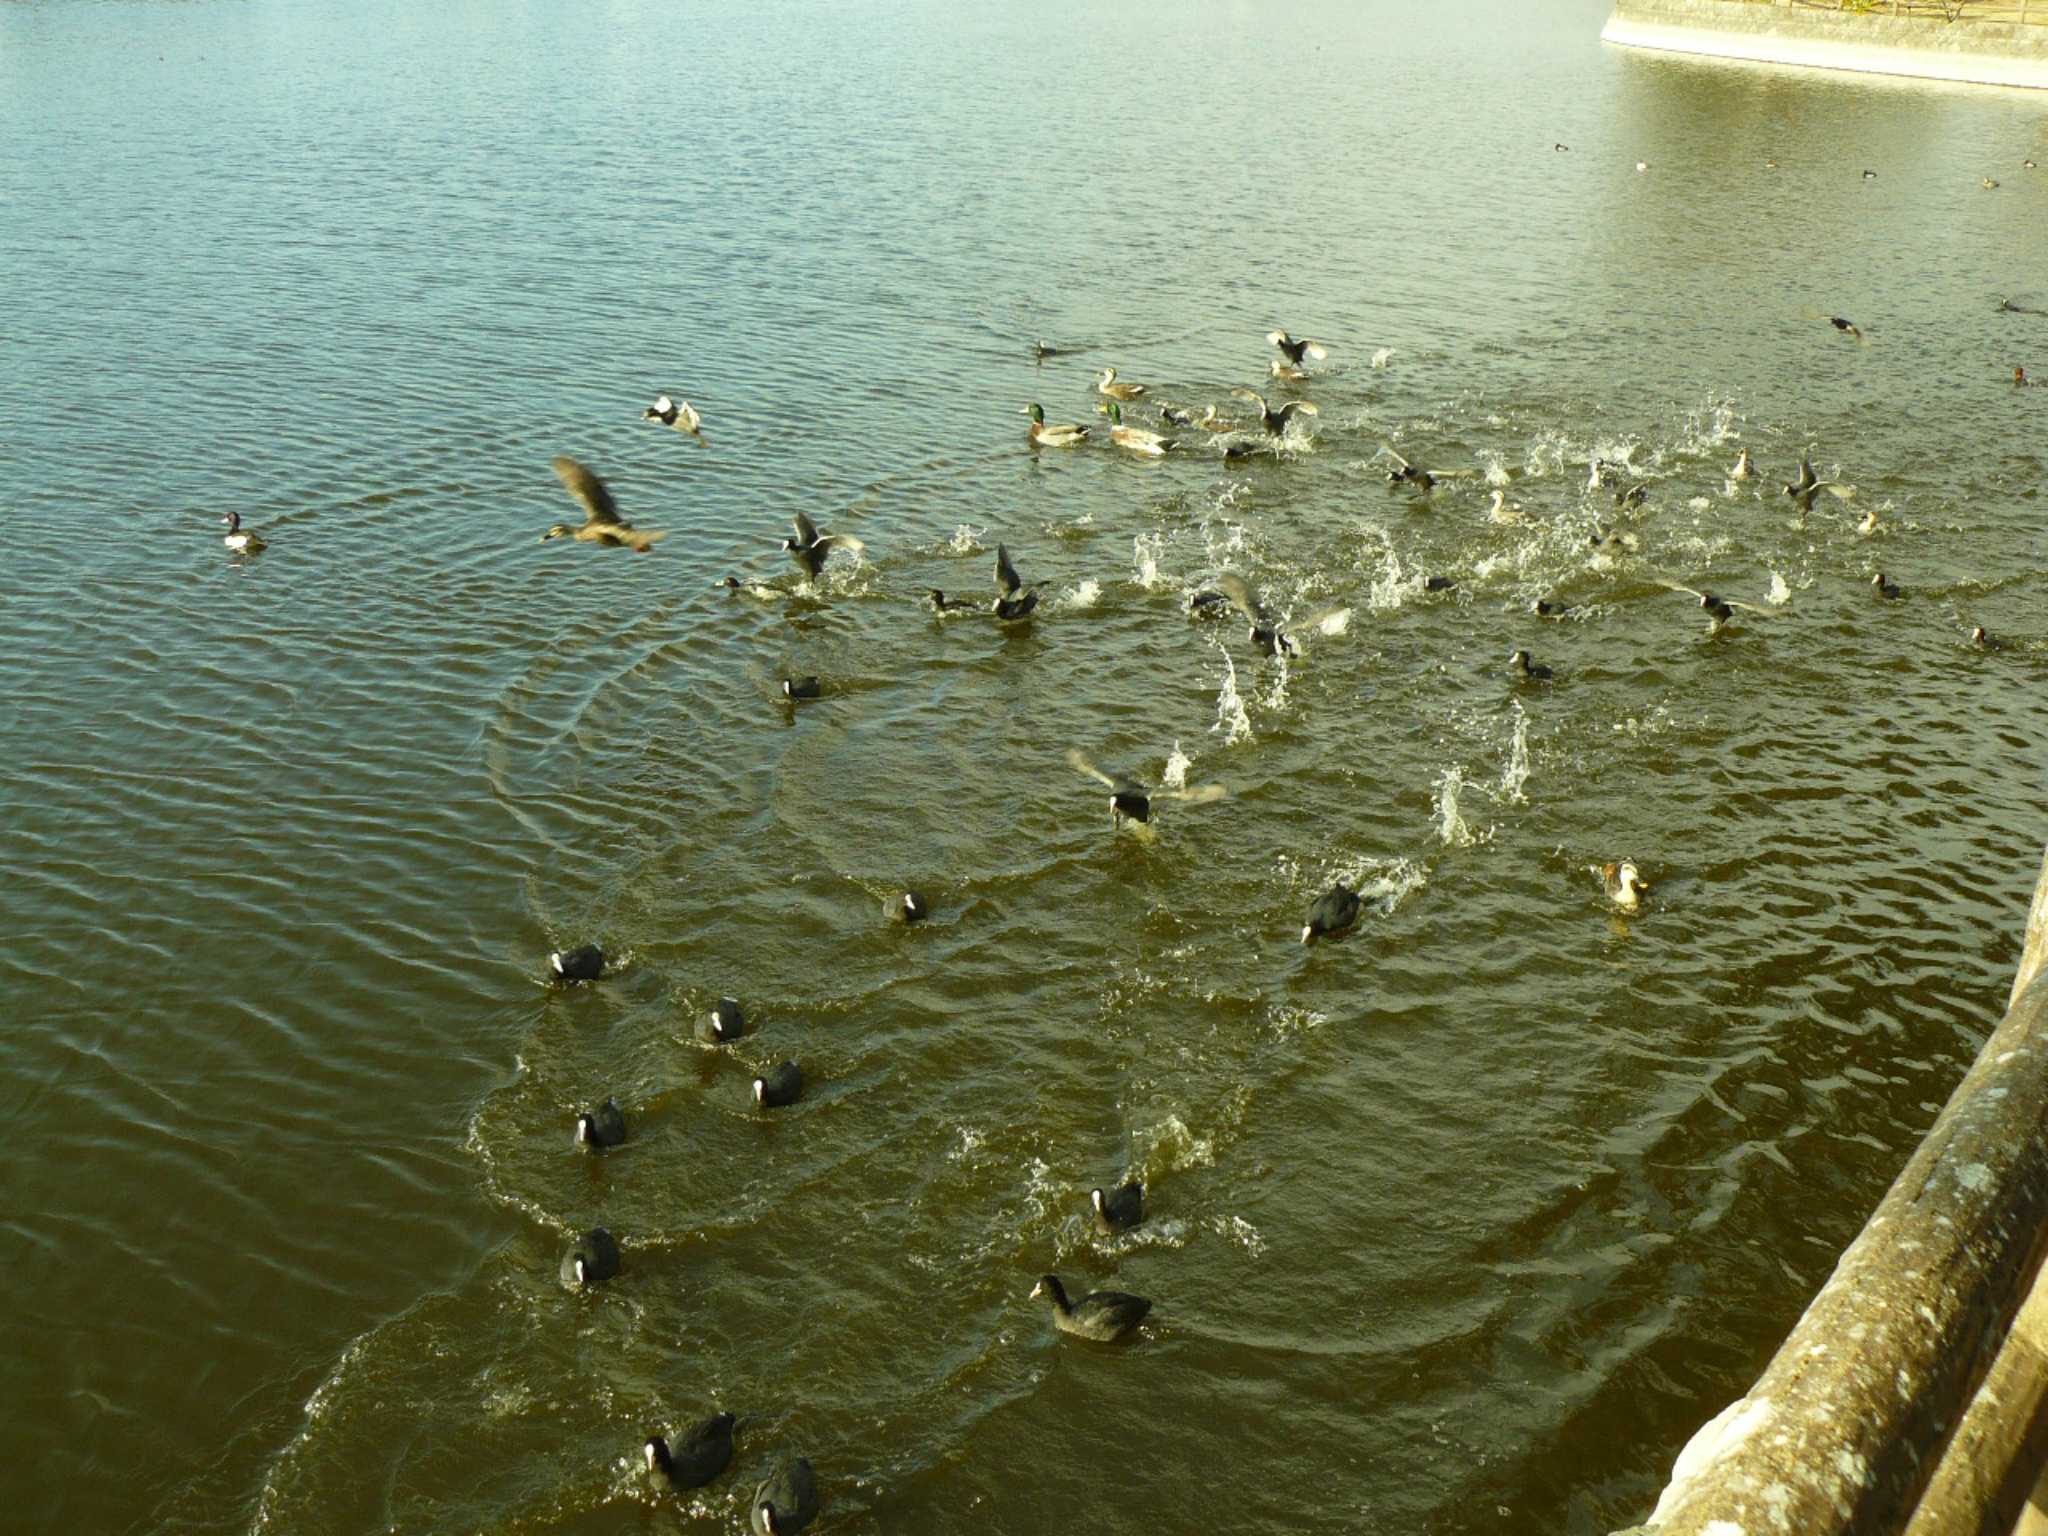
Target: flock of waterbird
{"x": 787, "y": 1499}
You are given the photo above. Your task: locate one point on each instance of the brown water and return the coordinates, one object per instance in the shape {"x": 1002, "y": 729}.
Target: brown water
{"x": 1481, "y": 1211}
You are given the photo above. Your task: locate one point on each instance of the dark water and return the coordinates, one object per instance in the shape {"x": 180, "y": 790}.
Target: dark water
{"x": 1470, "y": 1219}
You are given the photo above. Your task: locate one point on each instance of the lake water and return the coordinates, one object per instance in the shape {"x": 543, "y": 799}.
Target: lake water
{"x": 1463, "y": 1224}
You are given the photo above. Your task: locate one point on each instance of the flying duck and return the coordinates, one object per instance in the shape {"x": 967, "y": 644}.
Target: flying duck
{"x": 602, "y": 524}
{"x": 592, "y": 1261}
{"x": 1405, "y": 473}
{"x": 1847, "y": 328}
{"x": 1266, "y": 632}
{"x": 701, "y": 1455}
{"x": 239, "y": 539}
{"x": 1524, "y": 668}
{"x": 1132, "y": 801}
{"x": 1297, "y": 350}
{"x": 1720, "y": 610}
{"x": 810, "y": 549}
{"x": 1625, "y": 885}
{"x": 583, "y": 963}
{"x": 1332, "y": 912}
{"x": 1136, "y": 439}
{"x": 1108, "y": 386}
{"x": 604, "y": 1126}
{"x": 680, "y": 415}
{"x": 779, "y": 1086}
{"x": 1104, "y": 1316}
{"x": 786, "y": 1501}
{"x": 1809, "y": 485}
{"x": 1065, "y": 435}
{"x": 1119, "y": 1209}
{"x": 1275, "y": 422}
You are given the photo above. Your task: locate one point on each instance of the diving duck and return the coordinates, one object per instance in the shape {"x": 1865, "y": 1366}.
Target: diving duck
{"x": 602, "y": 524}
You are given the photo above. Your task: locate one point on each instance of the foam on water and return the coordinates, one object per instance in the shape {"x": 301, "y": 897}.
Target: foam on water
{"x": 966, "y": 540}
{"x": 1177, "y": 765}
{"x": 1780, "y": 594}
{"x": 1231, "y": 718}
{"x": 1084, "y": 596}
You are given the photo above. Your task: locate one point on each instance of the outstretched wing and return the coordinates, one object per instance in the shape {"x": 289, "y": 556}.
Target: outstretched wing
{"x": 1388, "y": 450}
{"x": 1252, "y": 395}
{"x": 827, "y": 542}
{"x": 1295, "y": 408}
{"x": 1242, "y": 598}
{"x": 598, "y": 506}
{"x": 806, "y": 530}
{"x": 1007, "y": 580}
{"x": 1074, "y": 756}
{"x": 1315, "y": 350}
{"x": 1201, "y": 795}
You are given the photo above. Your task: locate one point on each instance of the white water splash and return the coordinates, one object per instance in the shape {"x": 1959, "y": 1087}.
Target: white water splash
{"x": 1086, "y": 595}
{"x": 1698, "y": 503}
{"x": 1780, "y": 594}
{"x": 1177, "y": 765}
{"x": 1451, "y": 825}
{"x": 1379, "y": 358}
{"x": 1516, "y": 773}
{"x": 1241, "y": 1232}
{"x": 1145, "y": 551}
{"x": 1231, "y": 718}
{"x": 966, "y": 540}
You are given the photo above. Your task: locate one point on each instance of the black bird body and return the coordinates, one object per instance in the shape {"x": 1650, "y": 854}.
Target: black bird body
{"x": 1275, "y": 422}
{"x": 1104, "y": 1316}
{"x": 1266, "y": 631}
{"x": 583, "y": 963}
{"x": 1011, "y": 609}
{"x": 604, "y": 1126}
{"x": 1131, "y": 801}
{"x": 907, "y": 907}
{"x": 1885, "y": 588}
{"x": 1809, "y": 485}
{"x": 724, "y": 1023}
{"x": 796, "y": 688}
{"x": 698, "y": 1457}
{"x": 944, "y": 604}
{"x": 1120, "y": 1209}
{"x": 1332, "y": 912}
{"x": 810, "y": 548}
{"x": 1544, "y": 608}
{"x": 1524, "y": 668}
{"x": 787, "y": 1500}
{"x": 1294, "y": 350}
{"x": 1012, "y": 603}
{"x": 594, "y": 1260}
{"x": 780, "y": 1086}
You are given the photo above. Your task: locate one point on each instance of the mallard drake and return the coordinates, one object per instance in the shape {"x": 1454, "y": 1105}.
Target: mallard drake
{"x": 601, "y": 521}
{"x": 1296, "y": 350}
{"x": 1275, "y": 422}
{"x": 1136, "y": 439}
{"x": 1108, "y": 385}
{"x": 1132, "y": 801}
{"x": 697, "y": 1458}
{"x": 1624, "y": 883}
{"x": 1066, "y": 434}
{"x": 1104, "y": 1316}
{"x": 678, "y": 414}
{"x": 239, "y": 539}
{"x": 810, "y": 548}
{"x": 786, "y": 1501}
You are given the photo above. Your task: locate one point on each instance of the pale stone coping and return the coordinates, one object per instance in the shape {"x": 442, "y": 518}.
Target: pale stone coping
{"x": 1787, "y": 43}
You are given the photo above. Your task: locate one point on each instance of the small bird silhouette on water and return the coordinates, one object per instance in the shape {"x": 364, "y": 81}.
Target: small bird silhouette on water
{"x": 1886, "y": 589}
{"x": 604, "y": 1126}
{"x": 2019, "y": 379}
{"x": 1720, "y": 611}
{"x": 1528, "y": 670}
{"x": 602, "y": 524}
{"x": 584, "y": 963}
{"x": 726, "y": 1022}
{"x": 678, "y": 414}
{"x": 906, "y": 907}
{"x": 779, "y": 1086}
{"x": 798, "y": 688}
{"x": 1405, "y": 473}
{"x": 594, "y": 1260}
{"x": 1544, "y": 608}
{"x": 944, "y": 604}
{"x": 1632, "y": 499}
{"x": 1173, "y": 416}
{"x": 1266, "y": 632}
{"x": 1295, "y": 350}
{"x": 1275, "y": 422}
{"x": 241, "y": 540}
{"x": 1332, "y": 912}
{"x": 787, "y": 1501}
{"x": 1104, "y": 1316}
{"x": 697, "y": 1458}
{"x": 1846, "y": 327}
{"x": 1132, "y": 801}
{"x": 1119, "y": 1209}
{"x": 810, "y": 549}
{"x": 1984, "y": 641}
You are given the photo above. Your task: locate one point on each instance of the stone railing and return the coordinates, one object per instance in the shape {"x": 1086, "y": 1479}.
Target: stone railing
{"x": 1910, "y": 1396}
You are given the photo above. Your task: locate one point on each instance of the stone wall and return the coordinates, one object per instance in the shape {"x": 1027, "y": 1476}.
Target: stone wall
{"x": 1986, "y": 52}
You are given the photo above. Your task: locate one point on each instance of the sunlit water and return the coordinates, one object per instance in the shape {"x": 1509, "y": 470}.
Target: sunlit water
{"x": 1474, "y": 1215}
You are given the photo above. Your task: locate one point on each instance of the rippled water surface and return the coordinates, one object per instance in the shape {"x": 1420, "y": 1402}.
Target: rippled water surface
{"x": 1474, "y": 1215}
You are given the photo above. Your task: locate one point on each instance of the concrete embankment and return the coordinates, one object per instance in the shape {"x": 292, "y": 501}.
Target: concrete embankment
{"x": 2004, "y": 51}
{"x": 1913, "y": 1395}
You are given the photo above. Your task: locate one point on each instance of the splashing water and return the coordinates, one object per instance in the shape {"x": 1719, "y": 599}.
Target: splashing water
{"x": 1231, "y": 718}
{"x": 1379, "y": 358}
{"x": 1145, "y": 552}
{"x": 1451, "y": 825}
{"x": 1177, "y": 765}
{"x": 1516, "y": 773}
{"x": 966, "y": 540}
{"x": 1085, "y": 595}
{"x": 1780, "y": 594}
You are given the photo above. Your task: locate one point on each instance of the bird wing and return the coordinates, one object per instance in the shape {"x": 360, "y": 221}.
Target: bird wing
{"x": 827, "y": 542}
{"x": 1200, "y": 795}
{"x": 1252, "y": 395}
{"x": 1834, "y": 488}
{"x": 806, "y": 530}
{"x": 598, "y": 506}
{"x": 642, "y": 539}
{"x": 1315, "y": 350}
{"x": 1007, "y": 580}
{"x": 1295, "y": 408}
{"x": 1387, "y": 450}
{"x": 1242, "y": 598}
{"x": 1331, "y": 620}
{"x": 1074, "y": 756}
{"x": 1672, "y": 586}
{"x": 1278, "y": 338}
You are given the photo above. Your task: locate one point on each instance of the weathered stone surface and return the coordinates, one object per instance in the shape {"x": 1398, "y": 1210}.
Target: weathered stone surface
{"x": 1843, "y": 1431}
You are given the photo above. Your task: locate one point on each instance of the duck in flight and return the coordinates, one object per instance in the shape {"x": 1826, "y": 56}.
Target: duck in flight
{"x": 1012, "y": 601}
{"x": 1131, "y": 801}
{"x": 1720, "y": 610}
{"x": 1405, "y": 473}
{"x": 678, "y": 414}
{"x": 1295, "y": 350}
{"x": 1275, "y": 422}
{"x": 602, "y": 524}
{"x": 1810, "y": 485}
{"x": 1267, "y": 633}
{"x": 810, "y": 549}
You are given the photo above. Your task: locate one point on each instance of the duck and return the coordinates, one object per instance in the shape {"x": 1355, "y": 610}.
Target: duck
{"x": 1065, "y": 435}
{"x": 1174, "y": 416}
{"x": 1743, "y": 467}
{"x": 1624, "y": 884}
{"x": 906, "y": 907}
{"x": 1136, "y": 439}
{"x": 1014, "y": 610}
{"x": 602, "y": 524}
{"x": 944, "y": 604}
{"x": 594, "y": 1260}
{"x": 1108, "y": 386}
{"x": 1545, "y": 608}
{"x": 1332, "y": 912}
{"x": 1119, "y": 1209}
{"x": 2019, "y": 379}
{"x": 798, "y": 689}
{"x": 1502, "y": 511}
{"x": 1632, "y": 499}
{"x": 1596, "y": 474}
{"x": 1286, "y": 372}
{"x": 241, "y": 540}
{"x": 583, "y": 963}
{"x": 1209, "y": 421}
{"x": 700, "y": 1456}
{"x": 1615, "y": 538}
{"x": 1405, "y": 473}
{"x": 1720, "y": 610}
{"x": 1870, "y": 175}
{"x": 1984, "y": 641}
{"x": 1809, "y": 485}
{"x": 1297, "y": 349}
{"x": 1276, "y": 422}
{"x": 1847, "y": 327}
{"x": 1869, "y": 524}
{"x": 1888, "y": 590}
{"x": 1104, "y": 1316}
{"x": 787, "y": 1500}
{"x": 678, "y": 414}
{"x": 724, "y": 1023}
{"x": 1132, "y": 801}
{"x": 781, "y": 1085}
{"x": 604, "y": 1126}
{"x": 1990, "y": 184}
{"x": 752, "y": 588}
{"x": 1266, "y": 632}
{"x": 1562, "y": 149}
{"x": 810, "y": 549}
{"x": 1526, "y": 669}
